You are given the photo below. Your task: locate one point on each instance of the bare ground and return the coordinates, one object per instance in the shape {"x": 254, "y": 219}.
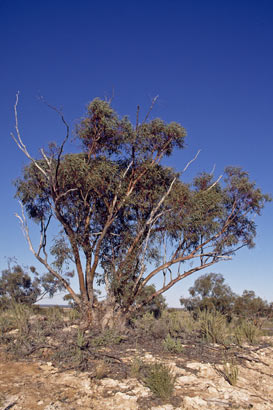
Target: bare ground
{"x": 41, "y": 382}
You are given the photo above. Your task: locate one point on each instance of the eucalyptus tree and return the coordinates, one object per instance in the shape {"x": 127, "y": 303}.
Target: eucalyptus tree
{"x": 210, "y": 292}
{"x": 125, "y": 219}
{"x": 25, "y": 285}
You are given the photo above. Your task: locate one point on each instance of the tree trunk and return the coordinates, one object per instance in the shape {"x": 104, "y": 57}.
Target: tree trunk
{"x": 109, "y": 316}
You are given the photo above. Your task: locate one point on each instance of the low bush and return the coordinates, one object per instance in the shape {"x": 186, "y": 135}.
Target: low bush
{"x": 73, "y": 314}
{"x": 6, "y": 324}
{"x": 156, "y": 376}
{"x": 213, "y": 327}
{"x": 144, "y": 324}
{"x": 137, "y": 367}
{"x": 174, "y": 321}
{"x": 107, "y": 338}
{"x": 101, "y": 370}
{"x": 172, "y": 345}
{"x": 230, "y": 373}
{"x": 16, "y": 317}
{"x": 246, "y": 331}
{"x": 160, "y": 380}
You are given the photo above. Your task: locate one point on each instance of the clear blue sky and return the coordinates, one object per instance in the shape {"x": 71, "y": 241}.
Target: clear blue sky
{"x": 211, "y": 62}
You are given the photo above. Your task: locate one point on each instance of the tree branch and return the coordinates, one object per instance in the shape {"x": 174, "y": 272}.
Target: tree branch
{"x": 216, "y": 182}
{"x": 169, "y": 285}
{"x": 25, "y": 230}
{"x": 191, "y": 161}
{"x": 151, "y": 108}
{"x": 19, "y": 141}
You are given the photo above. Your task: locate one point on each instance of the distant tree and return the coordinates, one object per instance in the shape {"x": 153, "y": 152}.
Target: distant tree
{"x": 68, "y": 298}
{"x": 250, "y": 305}
{"x": 23, "y": 285}
{"x": 210, "y": 292}
{"x": 125, "y": 218}
{"x": 155, "y": 305}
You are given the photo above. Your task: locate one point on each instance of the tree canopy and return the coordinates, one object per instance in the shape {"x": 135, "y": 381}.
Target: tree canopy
{"x": 25, "y": 285}
{"x": 124, "y": 217}
{"x": 210, "y": 292}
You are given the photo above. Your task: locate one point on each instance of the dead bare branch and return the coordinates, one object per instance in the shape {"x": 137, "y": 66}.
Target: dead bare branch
{"x": 213, "y": 169}
{"x": 19, "y": 141}
{"x": 150, "y": 220}
{"x": 52, "y": 107}
{"x": 216, "y": 182}
{"x": 44, "y": 262}
{"x": 191, "y": 161}
{"x": 151, "y": 108}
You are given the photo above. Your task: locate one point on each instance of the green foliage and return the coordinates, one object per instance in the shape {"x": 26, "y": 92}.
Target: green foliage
{"x": 210, "y": 292}
{"x": 107, "y": 338}
{"x": 230, "y": 373}
{"x": 172, "y": 345}
{"x": 145, "y": 323}
{"x": 156, "y": 376}
{"x": 6, "y": 324}
{"x": 74, "y": 314}
{"x": 21, "y": 314}
{"x": 189, "y": 325}
{"x": 156, "y": 306}
{"x": 213, "y": 326}
{"x": 16, "y": 319}
{"x": 80, "y": 339}
{"x": 246, "y": 331}
{"x": 16, "y": 285}
{"x": 55, "y": 316}
{"x": 249, "y": 305}
{"x": 159, "y": 329}
{"x": 19, "y": 286}
{"x": 160, "y": 380}
{"x": 174, "y": 324}
{"x": 137, "y": 367}
{"x": 114, "y": 200}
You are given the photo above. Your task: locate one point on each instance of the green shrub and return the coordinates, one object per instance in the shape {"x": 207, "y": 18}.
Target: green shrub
{"x": 189, "y": 324}
{"x": 159, "y": 380}
{"x": 159, "y": 328}
{"x": 246, "y": 331}
{"x": 230, "y": 373}
{"x": 172, "y": 345}
{"x": 145, "y": 323}
{"x": 107, "y": 338}
{"x": 137, "y": 367}
{"x": 18, "y": 316}
{"x": 80, "y": 339}
{"x": 6, "y": 324}
{"x": 156, "y": 376}
{"x": 54, "y": 313}
{"x": 175, "y": 323}
{"x": 213, "y": 326}
{"x": 74, "y": 314}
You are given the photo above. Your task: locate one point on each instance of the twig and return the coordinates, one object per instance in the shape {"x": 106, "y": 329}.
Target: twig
{"x": 151, "y": 108}
{"x": 19, "y": 141}
{"x": 98, "y": 355}
{"x": 40, "y": 347}
{"x": 250, "y": 359}
{"x": 218, "y": 179}
{"x": 191, "y": 161}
